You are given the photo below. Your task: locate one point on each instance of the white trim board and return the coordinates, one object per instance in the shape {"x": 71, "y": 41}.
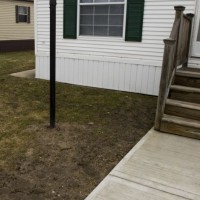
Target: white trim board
{"x": 194, "y": 62}
{"x": 35, "y": 25}
{"x": 195, "y": 30}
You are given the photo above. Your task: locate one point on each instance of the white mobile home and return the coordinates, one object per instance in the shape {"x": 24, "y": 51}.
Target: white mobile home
{"x": 114, "y": 44}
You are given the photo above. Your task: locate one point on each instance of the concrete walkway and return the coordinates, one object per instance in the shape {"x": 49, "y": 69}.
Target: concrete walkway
{"x": 25, "y": 74}
{"x": 160, "y": 167}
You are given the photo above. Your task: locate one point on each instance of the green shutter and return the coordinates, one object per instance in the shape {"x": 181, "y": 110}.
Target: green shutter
{"x": 16, "y": 14}
{"x": 70, "y": 18}
{"x": 29, "y": 15}
{"x": 134, "y": 20}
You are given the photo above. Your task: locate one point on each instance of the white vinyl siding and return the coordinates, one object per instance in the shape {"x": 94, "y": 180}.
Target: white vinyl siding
{"x": 158, "y": 20}
{"x": 107, "y": 62}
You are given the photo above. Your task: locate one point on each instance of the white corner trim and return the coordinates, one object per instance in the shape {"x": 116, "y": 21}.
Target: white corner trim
{"x": 35, "y": 25}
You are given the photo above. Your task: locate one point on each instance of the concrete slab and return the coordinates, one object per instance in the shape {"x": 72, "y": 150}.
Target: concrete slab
{"x": 114, "y": 188}
{"x": 160, "y": 166}
{"x": 25, "y": 74}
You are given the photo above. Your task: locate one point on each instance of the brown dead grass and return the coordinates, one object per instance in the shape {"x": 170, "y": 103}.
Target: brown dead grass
{"x": 95, "y": 129}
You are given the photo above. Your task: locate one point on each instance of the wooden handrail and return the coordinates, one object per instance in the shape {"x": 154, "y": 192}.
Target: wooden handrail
{"x": 167, "y": 63}
{"x": 175, "y": 53}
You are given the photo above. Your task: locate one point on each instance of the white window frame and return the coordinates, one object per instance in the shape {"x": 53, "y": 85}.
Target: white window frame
{"x": 110, "y": 38}
{"x": 23, "y": 14}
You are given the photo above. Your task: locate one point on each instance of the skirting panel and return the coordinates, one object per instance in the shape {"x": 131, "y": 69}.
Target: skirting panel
{"x": 16, "y": 45}
{"x": 102, "y": 74}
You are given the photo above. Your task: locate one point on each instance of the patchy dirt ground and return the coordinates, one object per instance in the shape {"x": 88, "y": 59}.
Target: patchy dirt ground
{"x": 95, "y": 129}
{"x": 65, "y": 163}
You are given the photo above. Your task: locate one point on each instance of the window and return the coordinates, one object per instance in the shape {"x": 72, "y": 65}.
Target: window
{"x": 101, "y": 17}
{"x": 22, "y": 14}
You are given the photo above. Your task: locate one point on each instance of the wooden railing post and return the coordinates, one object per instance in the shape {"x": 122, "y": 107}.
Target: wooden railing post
{"x": 168, "y": 61}
{"x": 179, "y": 10}
{"x": 190, "y": 16}
{"x": 179, "y": 15}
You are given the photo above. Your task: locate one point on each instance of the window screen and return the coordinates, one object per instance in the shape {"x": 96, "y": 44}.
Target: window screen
{"x": 101, "y": 18}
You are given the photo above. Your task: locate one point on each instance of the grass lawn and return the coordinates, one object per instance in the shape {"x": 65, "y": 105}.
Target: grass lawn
{"x": 95, "y": 129}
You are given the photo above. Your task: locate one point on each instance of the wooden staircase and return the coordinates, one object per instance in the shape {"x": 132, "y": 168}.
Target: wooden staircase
{"x": 178, "y": 107}
{"x": 182, "y": 107}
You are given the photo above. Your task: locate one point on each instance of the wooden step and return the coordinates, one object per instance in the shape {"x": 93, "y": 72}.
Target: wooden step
{"x": 188, "y": 78}
{"x": 182, "y": 109}
{"x": 188, "y": 72}
{"x": 185, "y": 89}
{"x": 181, "y": 126}
{"x": 183, "y": 93}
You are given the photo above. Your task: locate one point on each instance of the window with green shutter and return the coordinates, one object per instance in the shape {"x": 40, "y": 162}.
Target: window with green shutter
{"x": 104, "y": 18}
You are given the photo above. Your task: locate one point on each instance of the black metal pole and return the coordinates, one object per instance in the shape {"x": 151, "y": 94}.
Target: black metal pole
{"x": 52, "y": 62}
